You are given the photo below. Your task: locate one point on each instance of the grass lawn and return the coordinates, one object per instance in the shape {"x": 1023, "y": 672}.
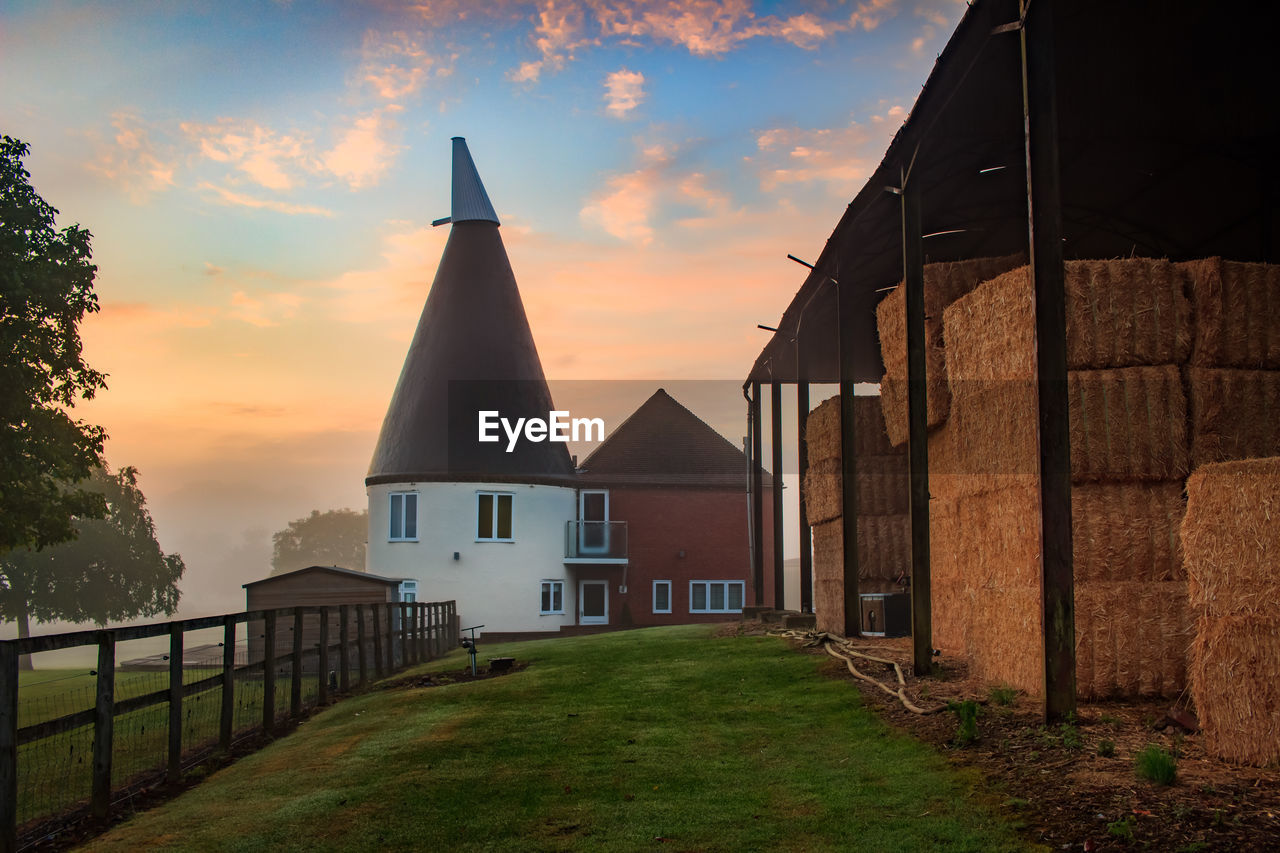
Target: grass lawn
{"x": 662, "y": 739}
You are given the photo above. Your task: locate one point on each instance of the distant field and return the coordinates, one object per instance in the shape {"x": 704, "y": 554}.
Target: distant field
{"x": 662, "y": 739}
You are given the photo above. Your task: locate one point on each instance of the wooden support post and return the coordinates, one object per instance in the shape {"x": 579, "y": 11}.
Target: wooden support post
{"x": 295, "y": 683}
{"x": 344, "y": 650}
{"x": 756, "y": 497}
{"x": 1044, "y": 223}
{"x": 8, "y": 747}
{"x": 322, "y": 693}
{"x": 391, "y": 639}
{"x": 269, "y": 671}
{"x": 918, "y": 427}
{"x": 377, "y": 641}
{"x": 806, "y": 535}
{"x": 226, "y": 722}
{"x": 775, "y": 445}
{"x": 848, "y": 466}
{"x": 104, "y": 725}
{"x": 420, "y": 627}
{"x": 175, "y": 702}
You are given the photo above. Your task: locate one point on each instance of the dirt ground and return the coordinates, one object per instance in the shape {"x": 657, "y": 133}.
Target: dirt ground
{"x": 1075, "y": 787}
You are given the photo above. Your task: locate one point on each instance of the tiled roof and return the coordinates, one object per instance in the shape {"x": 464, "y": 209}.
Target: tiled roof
{"x": 665, "y": 444}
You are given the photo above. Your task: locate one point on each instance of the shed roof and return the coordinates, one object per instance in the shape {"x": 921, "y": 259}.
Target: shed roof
{"x": 1166, "y": 150}
{"x": 664, "y": 444}
{"x": 332, "y": 570}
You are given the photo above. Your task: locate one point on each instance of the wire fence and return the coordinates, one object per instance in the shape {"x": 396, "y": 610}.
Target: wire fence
{"x": 75, "y": 743}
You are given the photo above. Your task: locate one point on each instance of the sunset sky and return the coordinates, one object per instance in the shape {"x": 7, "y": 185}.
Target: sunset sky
{"x": 260, "y": 179}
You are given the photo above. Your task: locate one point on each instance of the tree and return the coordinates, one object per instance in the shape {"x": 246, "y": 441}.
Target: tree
{"x": 113, "y": 569}
{"x": 46, "y": 288}
{"x": 335, "y": 538}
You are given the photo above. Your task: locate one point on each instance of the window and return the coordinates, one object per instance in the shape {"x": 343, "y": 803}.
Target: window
{"x": 493, "y": 516}
{"x": 552, "y": 597}
{"x": 404, "y": 517}
{"x": 715, "y": 596}
{"x": 662, "y": 596}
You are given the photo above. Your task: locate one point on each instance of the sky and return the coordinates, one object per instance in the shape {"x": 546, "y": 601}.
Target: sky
{"x": 260, "y": 181}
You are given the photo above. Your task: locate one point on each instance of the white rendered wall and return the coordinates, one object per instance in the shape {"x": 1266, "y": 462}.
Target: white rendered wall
{"x": 496, "y": 584}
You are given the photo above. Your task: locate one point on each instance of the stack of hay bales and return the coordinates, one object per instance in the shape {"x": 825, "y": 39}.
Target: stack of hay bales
{"x": 1234, "y": 374}
{"x": 884, "y": 522}
{"x": 1231, "y": 538}
{"x": 1128, "y": 332}
{"x": 944, "y": 283}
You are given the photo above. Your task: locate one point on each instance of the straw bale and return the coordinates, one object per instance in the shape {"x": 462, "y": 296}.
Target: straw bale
{"x": 882, "y": 488}
{"x": 943, "y": 284}
{"x": 1235, "y": 414}
{"x": 1005, "y": 638}
{"x": 884, "y": 548}
{"x": 1237, "y": 309}
{"x": 1127, "y": 531}
{"x": 1120, "y": 313}
{"x": 1128, "y": 424}
{"x": 822, "y": 431}
{"x": 950, "y": 598}
{"x": 1234, "y": 672}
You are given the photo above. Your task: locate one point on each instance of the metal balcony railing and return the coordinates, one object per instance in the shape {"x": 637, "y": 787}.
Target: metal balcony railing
{"x": 595, "y": 540}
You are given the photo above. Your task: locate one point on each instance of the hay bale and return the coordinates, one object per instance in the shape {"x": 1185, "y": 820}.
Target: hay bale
{"x": 1231, "y": 541}
{"x": 1131, "y": 639}
{"x": 944, "y": 283}
{"x": 1128, "y": 424}
{"x": 1005, "y": 643}
{"x": 1121, "y": 313}
{"x": 882, "y": 488}
{"x": 1237, "y": 308}
{"x": 828, "y": 577}
{"x": 884, "y": 548}
{"x": 1127, "y": 532}
{"x": 822, "y": 430}
{"x": 948, "y": 594}
{"x": 1235, "y": 414}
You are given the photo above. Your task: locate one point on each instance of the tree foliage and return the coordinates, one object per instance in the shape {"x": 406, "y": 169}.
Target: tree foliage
{"x": 335, "y": 538}
{"x": 46, "y": 288}
{"x": 114, "y": 569}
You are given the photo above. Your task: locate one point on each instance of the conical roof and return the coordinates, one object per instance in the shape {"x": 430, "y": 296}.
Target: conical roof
{"x": 473, "y": 351}
{"x": 664, "y": 444}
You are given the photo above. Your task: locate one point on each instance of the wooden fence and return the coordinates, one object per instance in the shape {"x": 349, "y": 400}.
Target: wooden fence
{"x": 387, "y": 637}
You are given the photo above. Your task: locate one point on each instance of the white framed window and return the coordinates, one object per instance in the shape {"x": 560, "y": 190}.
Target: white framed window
{"x": 493, "y": 516}
{"x": 662, "y": 596}
{"x": 408, "y": 591}
{"x": 404, "y": 517}
{"x": 552, "y": 597}
{"x": 715, "y": 596}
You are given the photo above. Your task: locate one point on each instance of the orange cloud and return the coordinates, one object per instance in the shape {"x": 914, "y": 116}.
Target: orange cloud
{"x": 842, "y": 158}
{"x": 870, "y": 13}
{"x": 396, "y": 65}
{"x": 624, "y": 91}
{"x": 363, "y": 154}
{"x": 131, "y": 159}
{"x": 230, "y": 197}
{"x": 269, "y": 159}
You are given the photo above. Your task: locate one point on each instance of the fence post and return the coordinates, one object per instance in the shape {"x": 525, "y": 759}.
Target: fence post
{"x": 175, "y": 701}
{"x": 295, "y": 685}
{"x": 391, "y": 639}
{"x": 421, "y": 616}
{"x": 227, "y": 720}
{"x": 344, "y": 662}
{"x": 322, "y": 694}
{"x": 411, "y": 638}
{"x": 376, "y": 634}
{"x": 269, "y": 672}
{"x": 437, "y": 640}
{"x": 103, "y": 724}
{"x": 8, "y": 747}
{"x": 360, "y": 640}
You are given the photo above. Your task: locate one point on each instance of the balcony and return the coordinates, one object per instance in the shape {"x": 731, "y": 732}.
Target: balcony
{"x": 595, "y": 542}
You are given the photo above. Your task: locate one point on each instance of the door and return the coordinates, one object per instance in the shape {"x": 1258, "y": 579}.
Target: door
{"x": 593, "y": 526}
{"x": 593, "y": 602}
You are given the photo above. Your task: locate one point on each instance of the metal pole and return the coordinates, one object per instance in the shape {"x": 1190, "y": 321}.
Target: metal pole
{"x": 1044, "y": 223}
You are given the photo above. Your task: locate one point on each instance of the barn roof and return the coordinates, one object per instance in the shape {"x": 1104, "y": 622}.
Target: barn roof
{"x": 1166, "y": 148}
{"x": 664, "y": 444}
{"x": 473, "y": 351}
{"x": 332, "y": 570}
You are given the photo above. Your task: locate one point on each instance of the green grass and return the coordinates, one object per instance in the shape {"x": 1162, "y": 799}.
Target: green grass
{"x": 664, "y": 738}
{"x": 1157, "y": 765}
